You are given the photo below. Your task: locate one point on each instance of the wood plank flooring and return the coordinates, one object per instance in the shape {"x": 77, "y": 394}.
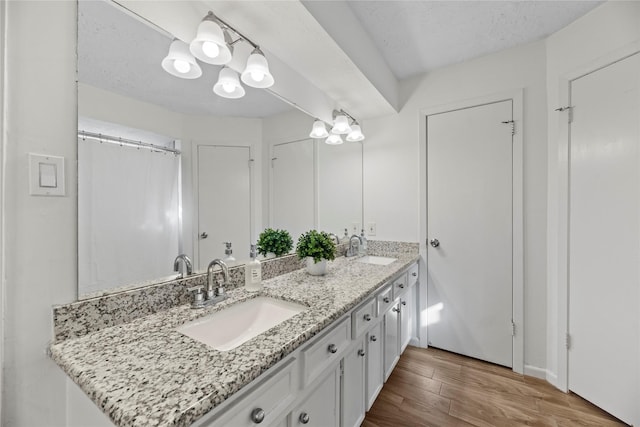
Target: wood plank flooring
{"x": 431, "y": 387}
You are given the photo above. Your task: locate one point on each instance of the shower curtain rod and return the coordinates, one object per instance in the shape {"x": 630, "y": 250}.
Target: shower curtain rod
{"x": 124, "y": 141}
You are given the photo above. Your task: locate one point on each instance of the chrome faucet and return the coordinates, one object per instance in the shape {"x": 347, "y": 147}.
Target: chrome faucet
{"x": 354, "y": 245}
{"x": 220, "y": 290}
{"x": 214, "y": 294}
{"x": 187, "y": 264}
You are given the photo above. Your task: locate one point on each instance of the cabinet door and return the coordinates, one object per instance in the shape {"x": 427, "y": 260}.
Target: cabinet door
{"x": 374, "y": 372}
{"x": 322, "y": 407}
{"x": 353, "y": 385}
{"x": 407, "y": 317}
{"x": 391, "y": 339}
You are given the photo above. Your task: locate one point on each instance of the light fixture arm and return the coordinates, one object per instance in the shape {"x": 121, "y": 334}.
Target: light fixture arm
{"x": 341, "y": 111}
{"x": 241, "y": 37}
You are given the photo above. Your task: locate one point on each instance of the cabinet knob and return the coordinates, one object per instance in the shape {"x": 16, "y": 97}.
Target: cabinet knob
{"x": 401, "y": 285}
{"x": 414, "y": 274}
{"x": 386, "y": 300}
{"x": 373, "y": 338}
{"x": 332, "y": 348}
{"x": 257, "y": 415}
{"x": 367, "y": 317}
{"x": 204, "y": 235}
{"x": 404, "y": 303}
{"x": 396, "y": 309}
{"x": 304, "y": 418}
{"x": 361, "y": 352}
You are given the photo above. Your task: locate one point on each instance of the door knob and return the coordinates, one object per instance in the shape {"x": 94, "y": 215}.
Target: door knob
{"x": 204, "y": 235}
{"x": 435, "y": 243}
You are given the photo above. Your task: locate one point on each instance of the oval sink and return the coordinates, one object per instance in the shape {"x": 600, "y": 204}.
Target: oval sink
{"x": 377, "y": 260}
{"x": 226, "y": 329}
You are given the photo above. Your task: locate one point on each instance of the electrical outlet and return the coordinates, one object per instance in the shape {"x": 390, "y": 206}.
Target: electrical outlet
{"x": 355, "y": 228}
{"x": 371, "y": 229}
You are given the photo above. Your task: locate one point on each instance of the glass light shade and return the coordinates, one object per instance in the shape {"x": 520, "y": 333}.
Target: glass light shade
{"x": 318, "y": 131}
{"x": 341, "y": 125}
{"x": 256, "y": 73}
{"x": 210, "y": 44}
{"x": 228, "y": 84}
{"x": 180, "y": 63}
{"x": 355, "y": 135}
{"x": 334, "y": 140}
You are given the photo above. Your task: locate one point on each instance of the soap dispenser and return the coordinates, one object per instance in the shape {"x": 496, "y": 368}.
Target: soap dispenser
{"x": 345, "y": 238}
{"x": 228, "y": 259}
{"x": 363, "y": 243}
{"x": 253, "y": 273}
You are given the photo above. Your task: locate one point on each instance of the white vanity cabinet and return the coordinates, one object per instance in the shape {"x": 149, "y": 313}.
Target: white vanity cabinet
{"x": 391, "y": 338}
{"x": 375, "y": 357}
{"x": 322, "y": 406}
{"x": 353, "y": 384}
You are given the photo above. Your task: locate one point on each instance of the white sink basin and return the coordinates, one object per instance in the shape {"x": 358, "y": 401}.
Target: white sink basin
{"x": 377, "y": 260}
{"x": 227, "y": 329}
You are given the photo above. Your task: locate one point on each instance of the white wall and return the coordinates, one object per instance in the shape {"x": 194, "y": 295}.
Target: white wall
{"x": 40, "y": 231}
{"x": 606, "y": 34}
{"x": 391, "y": 163}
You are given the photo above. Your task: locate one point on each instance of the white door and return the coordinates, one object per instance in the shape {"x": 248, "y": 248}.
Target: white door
{"x": 604, "y": 239}
{"x": 224, "y": 202}
{"x": 469, "y": 226}
{"x": 293, "y": 187}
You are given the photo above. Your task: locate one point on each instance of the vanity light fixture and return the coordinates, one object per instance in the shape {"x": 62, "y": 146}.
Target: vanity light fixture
{"x": 341, "y": 126}
{"x": 334, "y": 139}
{"x": 228, "y": 85}
{"x": 319, "y": 131}
{"x": 213, "y": 44}
{"x": 180, "y": 63}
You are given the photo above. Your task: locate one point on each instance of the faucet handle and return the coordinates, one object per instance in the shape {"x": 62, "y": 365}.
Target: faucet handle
{"x": 198, "y": 296}
{"x": 220, "y": 290}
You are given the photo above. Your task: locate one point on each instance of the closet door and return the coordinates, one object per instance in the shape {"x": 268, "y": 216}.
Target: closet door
{"x": 604, "y": 239}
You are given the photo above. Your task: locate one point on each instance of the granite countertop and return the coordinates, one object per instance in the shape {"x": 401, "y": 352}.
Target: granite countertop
{"x": 145, "y": 373}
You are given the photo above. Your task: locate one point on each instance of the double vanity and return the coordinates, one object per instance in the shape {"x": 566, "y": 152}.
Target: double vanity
{"x": 304, "y": 350}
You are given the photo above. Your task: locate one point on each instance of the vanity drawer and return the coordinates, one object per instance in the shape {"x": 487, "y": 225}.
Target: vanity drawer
{"x": 362, "y": 318}
{"x": 400, "y": 285}
{"x": 385, "y": 299}
{"x": 267, "y": 400}
{"x": 412, "y": 275}
{"x": 327, "y": 350}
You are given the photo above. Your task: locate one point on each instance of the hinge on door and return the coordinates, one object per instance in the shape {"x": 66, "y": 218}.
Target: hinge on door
{"x": 342, "y": 368}
{"x": 513, "y": 126}
{"x": 251, "y": 162}
{"x": 568, "y": 108}
{"x": 273, "y": 161}
{"x": 567, "y": 341}
{"x": 513, "y": 328}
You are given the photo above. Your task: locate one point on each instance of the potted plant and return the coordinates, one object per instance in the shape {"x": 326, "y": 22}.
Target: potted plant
{"x": 316, "y": 247}
{"x": 278, "y": 242}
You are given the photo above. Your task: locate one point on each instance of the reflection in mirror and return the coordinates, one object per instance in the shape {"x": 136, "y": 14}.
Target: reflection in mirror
{"x": 222, "y": 180}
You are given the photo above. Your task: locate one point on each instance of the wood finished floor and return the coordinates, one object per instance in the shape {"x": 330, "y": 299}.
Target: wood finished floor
{"x": 431, "y": 387}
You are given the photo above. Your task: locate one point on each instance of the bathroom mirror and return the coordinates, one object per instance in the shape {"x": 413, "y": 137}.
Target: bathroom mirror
{"x": 223, "y": 163}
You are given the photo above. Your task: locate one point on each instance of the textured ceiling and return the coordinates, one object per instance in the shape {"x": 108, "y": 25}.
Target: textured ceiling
{"x": 118, "y": 53}
{"x": 418, "y": 36}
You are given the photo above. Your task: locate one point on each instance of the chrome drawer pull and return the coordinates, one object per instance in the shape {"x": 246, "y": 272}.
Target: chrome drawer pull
{"x": 361, "y": 352}
{"x": 373, "y": 338}
{"x": 257, "y": 416}
{"x": 386, "y": 300}
{"x": 367, "y": 317}
{"x": 332, "y": 348}
{"x": 304, "y": 418}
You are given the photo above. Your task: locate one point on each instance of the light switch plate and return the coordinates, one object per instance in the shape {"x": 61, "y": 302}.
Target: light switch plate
{"x": 46, "y": 175}
{"x": 371, "y": 229}
{"x": 355, "y": 228}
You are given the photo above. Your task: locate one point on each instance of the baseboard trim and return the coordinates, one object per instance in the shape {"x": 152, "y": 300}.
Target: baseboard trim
{"x": 536, "y": 372}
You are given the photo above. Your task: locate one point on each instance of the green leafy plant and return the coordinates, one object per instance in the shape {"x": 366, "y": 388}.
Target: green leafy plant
{"x": 277, "y": 241}
{"x": 316, "y": 244}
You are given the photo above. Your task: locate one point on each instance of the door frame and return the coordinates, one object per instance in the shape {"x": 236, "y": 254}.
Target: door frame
{"x": 516, "y": 96}
{"x": 558, "y": 226}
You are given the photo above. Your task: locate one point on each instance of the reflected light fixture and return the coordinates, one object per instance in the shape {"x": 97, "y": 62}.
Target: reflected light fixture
{"x": 319, "y": 131}
{"x": 356, "y": 133}
{"x": 341, "y": 126}
{"x": 213, "y": 44}
{"x": 334, "y": 139}
{"x": 228, "y": 84}
{"x": 180, "y": 62}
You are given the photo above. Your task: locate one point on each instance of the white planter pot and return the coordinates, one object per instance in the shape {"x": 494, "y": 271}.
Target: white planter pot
{"x": 316, "y": 268}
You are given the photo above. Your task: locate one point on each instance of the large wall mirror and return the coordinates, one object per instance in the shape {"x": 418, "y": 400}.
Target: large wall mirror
{"x": 166, "y": 167}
